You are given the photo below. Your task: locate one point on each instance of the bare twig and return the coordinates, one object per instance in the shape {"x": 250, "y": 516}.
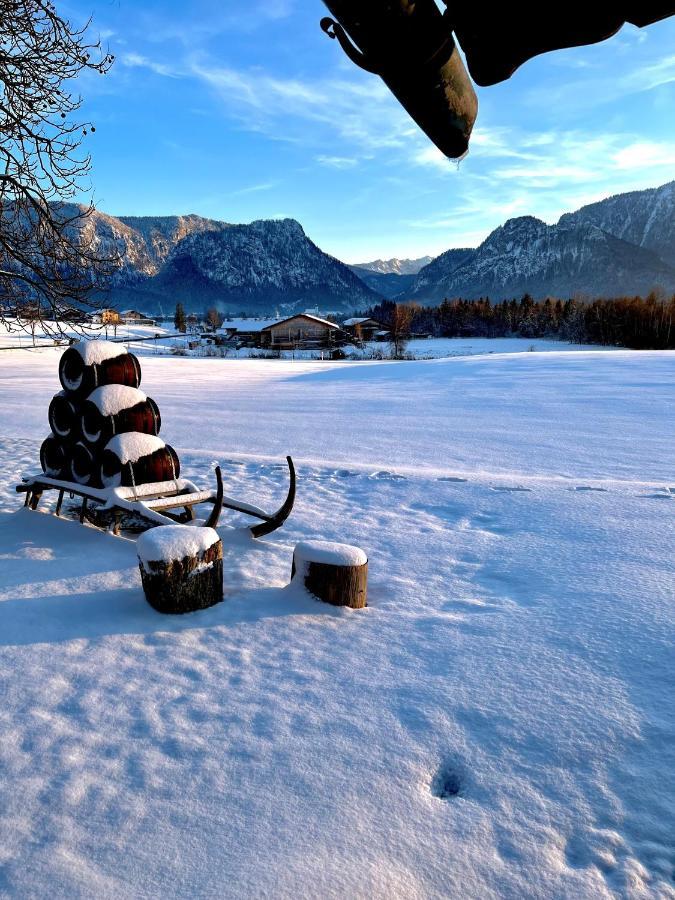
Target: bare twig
{"x": 51, "y": 268}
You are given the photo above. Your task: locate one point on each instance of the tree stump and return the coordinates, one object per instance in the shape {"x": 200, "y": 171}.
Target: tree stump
{"x": 181, "y": 567}
{"x": 334, "y": 573}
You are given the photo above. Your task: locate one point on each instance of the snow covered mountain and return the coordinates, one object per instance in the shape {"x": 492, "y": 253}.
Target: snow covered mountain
{"x": 437, "y": 273}
{"x": 394, "y": 266}
{"x": 142, "y": 244}
{"x": 260, "y": 266}
{"x": 386, "y": 284}
{"x": 645, "y": 218}
{"x": 622, "y": 245}
{"x": 390, "y": 277}
{"x": 204, "y": 262}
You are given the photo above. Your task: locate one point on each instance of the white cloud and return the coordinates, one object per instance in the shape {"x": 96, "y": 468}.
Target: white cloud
{"x": 138, "y": 61}
{"x": 255, "y": 188}
{"x": 337, "y": 162}
{"x": 360, "y": 112}
{"x": 645, "y": 154}
{"x": 652, "y": 75}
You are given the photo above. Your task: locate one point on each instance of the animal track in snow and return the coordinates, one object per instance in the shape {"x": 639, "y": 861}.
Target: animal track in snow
{"x": 588, "y": 487}
{"x": 452, "y": 478}
{"x": 512, "y": 490}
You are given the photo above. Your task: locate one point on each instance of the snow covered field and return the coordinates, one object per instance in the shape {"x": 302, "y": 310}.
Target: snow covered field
{"x": 517, "y": 654}
{"x": 137, "y": 339}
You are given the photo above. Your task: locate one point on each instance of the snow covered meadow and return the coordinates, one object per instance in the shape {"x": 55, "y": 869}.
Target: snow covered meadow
{"x": 500, "y": 720}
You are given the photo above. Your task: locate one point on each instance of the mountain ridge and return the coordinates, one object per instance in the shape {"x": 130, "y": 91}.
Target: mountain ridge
{"x": 622, "y": 245}
{"x": 610, "y": 248}
{"x": 263, "y": 265}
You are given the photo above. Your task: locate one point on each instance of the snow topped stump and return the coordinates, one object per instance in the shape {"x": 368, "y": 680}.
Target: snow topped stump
{"x": 181, "y": 567}
{"x": 334, "y": 573}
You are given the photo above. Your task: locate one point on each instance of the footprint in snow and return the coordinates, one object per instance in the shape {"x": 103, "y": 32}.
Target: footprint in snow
{"x": 512, "y": 490}
{"x": 588, "y": 487}
{"x": 658, "y": 496}
{"x": 449, "y": 781}
{"x": 384, "y": 475}
{"x": 453, "y": 478}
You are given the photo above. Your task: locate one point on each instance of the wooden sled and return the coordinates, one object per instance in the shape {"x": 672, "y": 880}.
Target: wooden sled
{"x": 152, "y": 504}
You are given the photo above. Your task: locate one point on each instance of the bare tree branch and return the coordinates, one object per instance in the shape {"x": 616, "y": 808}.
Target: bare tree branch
{"x": 50, "y": 267}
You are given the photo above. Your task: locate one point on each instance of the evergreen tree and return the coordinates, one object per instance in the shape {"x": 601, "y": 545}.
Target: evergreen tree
{"x": 179, "y": 319}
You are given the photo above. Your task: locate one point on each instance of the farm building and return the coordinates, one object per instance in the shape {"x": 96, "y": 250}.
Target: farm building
{"x": 245, "y": 331}
{"x": 134, "y": 317}
{"x": 302, "y": 331}
{"x": 362, "y": 329}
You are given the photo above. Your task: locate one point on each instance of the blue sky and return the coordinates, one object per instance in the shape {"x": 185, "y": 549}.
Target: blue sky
{"x": 247, "y": 111}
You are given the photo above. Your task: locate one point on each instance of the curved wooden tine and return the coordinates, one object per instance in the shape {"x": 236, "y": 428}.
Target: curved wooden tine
{"x": 279, "y": 517}
{"x": 212, "y": 520}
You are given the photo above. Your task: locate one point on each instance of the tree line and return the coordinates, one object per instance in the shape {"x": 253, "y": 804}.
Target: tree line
{"x": 636, "y": 322}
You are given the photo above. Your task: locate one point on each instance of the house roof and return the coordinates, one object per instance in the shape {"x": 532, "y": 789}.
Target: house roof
{"x": 302, "y": 316}
{"x": 349, "y": 322}
{"x": 248, "y": 325}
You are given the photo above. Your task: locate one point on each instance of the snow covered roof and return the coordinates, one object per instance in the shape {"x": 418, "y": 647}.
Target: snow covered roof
{"x": 302, "y": 316}
{"x": 349, "y": 322}
{"x": 247, "y": 325}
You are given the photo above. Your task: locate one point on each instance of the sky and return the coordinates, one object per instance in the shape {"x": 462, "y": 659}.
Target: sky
{"x": 248, "y": 111}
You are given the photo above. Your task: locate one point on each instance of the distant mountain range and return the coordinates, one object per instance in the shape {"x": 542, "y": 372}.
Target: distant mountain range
{"x": 622, "y": 245}
{"x": 390, "y": 277}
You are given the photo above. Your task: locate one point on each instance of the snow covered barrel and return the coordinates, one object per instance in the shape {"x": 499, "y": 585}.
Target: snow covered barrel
{"x": 181, "y": 567}
{"x": 132, "y": 458}
{"x": 85, "y": 465}
{"x": 54, "y": 458}
{"x": 334, "y": 573}
{"x": 88, "y": 364}
{"x": 65, "y": 416}
{"x": 114, "y": 409}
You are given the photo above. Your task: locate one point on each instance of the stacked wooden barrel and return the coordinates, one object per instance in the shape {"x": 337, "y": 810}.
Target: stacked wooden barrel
{"x": 104, "y": 430}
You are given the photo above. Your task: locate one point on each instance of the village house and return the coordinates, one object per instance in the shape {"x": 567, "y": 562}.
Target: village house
{"x": 134, "y": 317}
{"x": 105, "y": 317}
{"x": 245, "y": 332}
{"x": 303, "y": 331}
{"x": 362, "y": 329}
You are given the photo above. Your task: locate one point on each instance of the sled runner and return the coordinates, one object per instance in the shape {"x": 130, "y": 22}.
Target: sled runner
{"x": 156, "y": 504}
